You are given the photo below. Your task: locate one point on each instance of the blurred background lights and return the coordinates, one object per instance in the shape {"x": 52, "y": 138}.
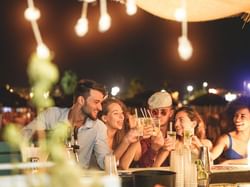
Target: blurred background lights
{"x": 115, "y": 90}
{"x": 204, "y": 84}
{"x": 212, "y": 90}
{"x": 230, "y": 96}
{"x": 46, "y": 95}
{"x": 190, "y": 88}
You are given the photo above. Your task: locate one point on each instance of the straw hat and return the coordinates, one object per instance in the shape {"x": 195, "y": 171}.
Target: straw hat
{"x": 160, "y": 100}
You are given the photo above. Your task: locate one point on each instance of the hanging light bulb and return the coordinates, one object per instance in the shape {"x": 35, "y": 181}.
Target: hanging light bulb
{"x": 42, "y": 51}
{"x": 32, "y": 14}
{"x": 82, "y": 27}
{"x": 104, "y": 23}
{"x": 105, "y": 20}
{"x": 185, "y": 48}
{"x": 131, "y": 7}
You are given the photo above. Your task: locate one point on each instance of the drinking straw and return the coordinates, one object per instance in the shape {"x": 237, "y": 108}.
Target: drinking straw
{"x": 142, "y": 113}
{"x": 145, "y": 112}
{"x": 149, "y": 114}
{"x": 171, "y": 126}
{"x": 136, "y": 113}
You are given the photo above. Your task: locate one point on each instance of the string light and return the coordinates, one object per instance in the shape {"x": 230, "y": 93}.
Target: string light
{"x": 32, "y": 14}
{"x": 42, "y": 51}
{"x": 105, "y": 19}
{"x": 82, "y": 26}
{"x": 131, "y": 7}
{"x": 185, "y": 49}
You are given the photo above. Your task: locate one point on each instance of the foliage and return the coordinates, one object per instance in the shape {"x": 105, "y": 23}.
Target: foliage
{"x": 135, "y": 87}
{"x": 42, "y": 74}
{"x": 68, "y": 82}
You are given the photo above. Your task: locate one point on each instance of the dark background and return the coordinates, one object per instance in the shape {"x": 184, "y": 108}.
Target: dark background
{"x": 139, "y": 47}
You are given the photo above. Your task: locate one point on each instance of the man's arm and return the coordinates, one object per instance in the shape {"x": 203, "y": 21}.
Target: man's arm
{"x": 38, "y": 124}
{"x": 101, "y": 147}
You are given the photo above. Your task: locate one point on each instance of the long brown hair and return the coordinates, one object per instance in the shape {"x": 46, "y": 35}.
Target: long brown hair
{"x": 105, "y": 109}
{"x": 193, "y": 115}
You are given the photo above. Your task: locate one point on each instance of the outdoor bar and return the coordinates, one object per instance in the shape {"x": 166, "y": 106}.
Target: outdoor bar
{"x": 77, "y": 133}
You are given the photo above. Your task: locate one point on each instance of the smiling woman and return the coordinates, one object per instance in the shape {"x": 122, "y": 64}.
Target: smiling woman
{"x": 197, "y": 10}
{"x": 233, "y": 146}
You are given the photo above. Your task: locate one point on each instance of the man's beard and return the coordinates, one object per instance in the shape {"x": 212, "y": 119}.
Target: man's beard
{"x": 86, "y": 113}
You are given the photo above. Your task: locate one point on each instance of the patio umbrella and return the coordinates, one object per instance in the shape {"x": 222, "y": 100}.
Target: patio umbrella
{"x": 208, "y": 99}
{"x": 197, "y": 10}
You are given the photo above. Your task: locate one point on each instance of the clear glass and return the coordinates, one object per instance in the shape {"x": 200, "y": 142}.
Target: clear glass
{"x": 188, "y": 133}
{"x": 110, "y": 164}
{"x": 140, "y": 126}
{"x": 156, "y": 126}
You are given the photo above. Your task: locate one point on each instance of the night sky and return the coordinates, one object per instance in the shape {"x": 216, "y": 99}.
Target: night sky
{"x": 139, "y": 47}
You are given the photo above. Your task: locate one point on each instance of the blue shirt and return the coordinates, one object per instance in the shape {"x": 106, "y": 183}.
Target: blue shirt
{"x": 92, "y": 136}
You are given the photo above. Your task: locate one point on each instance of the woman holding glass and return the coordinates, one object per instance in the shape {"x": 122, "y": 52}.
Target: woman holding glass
{"x": 190, "y": 131}
{"x": 119, "y": 134}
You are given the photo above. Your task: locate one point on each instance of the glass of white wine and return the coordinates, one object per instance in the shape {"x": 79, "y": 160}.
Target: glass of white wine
{"x": 140, "y": 126}
{"x": 188, "y": 133}
{"x": 156, "y": 126}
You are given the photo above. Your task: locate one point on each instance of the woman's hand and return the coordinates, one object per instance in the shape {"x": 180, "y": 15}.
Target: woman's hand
{"x": 147, "y": 131}
{"x": 196, "y": 142}
{"x": 132, "y": 136}
{"x": 169, "y": 144}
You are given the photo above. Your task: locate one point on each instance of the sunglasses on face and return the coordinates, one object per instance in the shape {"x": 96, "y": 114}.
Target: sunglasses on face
{"x": 156, "y": 112}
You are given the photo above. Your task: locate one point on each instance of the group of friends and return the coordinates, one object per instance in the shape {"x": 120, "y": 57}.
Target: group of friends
{"x": 104, "y": 126}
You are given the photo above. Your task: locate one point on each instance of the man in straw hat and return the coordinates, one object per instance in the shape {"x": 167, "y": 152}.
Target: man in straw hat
{"x": 160, "y": 106}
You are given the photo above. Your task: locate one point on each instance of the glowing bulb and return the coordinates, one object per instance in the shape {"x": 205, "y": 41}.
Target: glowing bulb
{"x": 131, "y": 7}
{"x": 32, "y": 14}
{"x": 42, "y": 51}
{"x": 115, "y": 90}
{"x": 180, "y": 14}
{"x": 204, "y": 84}
{"x": 104, "y": 23}
{"x": 185, "y": 48}
{"x": 82, "y": 27}
{"x": 230, "y": 96}
{"x": 190, "y": 88}
{"x": 212, "y": 90}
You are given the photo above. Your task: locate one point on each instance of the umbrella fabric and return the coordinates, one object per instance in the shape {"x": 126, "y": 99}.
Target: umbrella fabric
{"x": 208, "y": 100}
